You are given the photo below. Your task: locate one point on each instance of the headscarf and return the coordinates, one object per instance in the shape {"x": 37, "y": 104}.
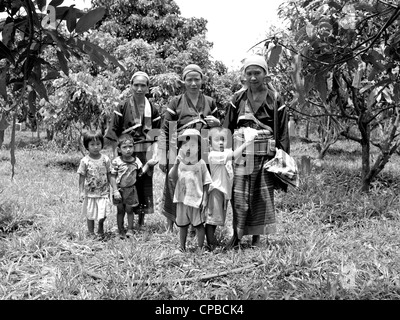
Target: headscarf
{"x": 190, "y": 68}
{"x": 140, "y": 73}
{"x": 255, "y": 60}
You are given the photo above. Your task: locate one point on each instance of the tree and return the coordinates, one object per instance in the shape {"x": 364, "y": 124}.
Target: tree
{"x": 27, "y": 32}
{"x": 346, "y": 63}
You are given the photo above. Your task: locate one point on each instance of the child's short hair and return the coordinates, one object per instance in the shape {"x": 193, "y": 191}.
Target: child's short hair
{"x": 92, "y": 136}
{"x": 218, "y": 130}
{"x": 123, "y": 138}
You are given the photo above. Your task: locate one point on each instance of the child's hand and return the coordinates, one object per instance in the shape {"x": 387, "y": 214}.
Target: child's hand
{"x": 81, "y": 197}
{"x": 180, "y": 157}
{"x": 117, "y": 195}
{"x": 204, "y": 202}
{"x": 152, "y": 162}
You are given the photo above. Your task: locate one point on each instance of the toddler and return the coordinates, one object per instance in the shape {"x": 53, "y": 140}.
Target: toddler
{"x": 94, "y": 182}
{"x": 220, "y": 190}
{"x": 192, "y": 179}
{"x": 125, "y": 169}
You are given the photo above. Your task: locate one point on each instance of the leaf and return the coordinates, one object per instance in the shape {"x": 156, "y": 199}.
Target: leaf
{"x": 6, "y": 53}
{"x": 320, "y": 83}
{"x": 104, "y": 53}
{"x": 41, "y": 4}
{"x": 59, "y": 41}
{"x": 53, "y": 74}
{"x": 88, "y": 20}
{"x": 61, "y": 12}
{"x": 71, "y": 19}
{"x": 308, "y": 83}
{"x": 63, "y": 62}
{"x": 3, "y": 122}
{"x": 274, "y": 56}
{"x": 373, "y": 73}
{"x": 56, "y": 3}
{"x": 3, "y": 83}
{"x": 396, "y": 92}
{"x": 94, "y": 54}
{"x": 38, "y": 86}
{"x": 31, "y": 102}
{"x": 7, "y": 32}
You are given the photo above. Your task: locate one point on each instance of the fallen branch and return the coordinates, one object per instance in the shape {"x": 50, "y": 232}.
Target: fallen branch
{"x": 201, "y": 278}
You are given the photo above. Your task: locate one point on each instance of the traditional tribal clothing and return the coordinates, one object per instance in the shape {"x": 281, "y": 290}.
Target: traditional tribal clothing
{"x": 253, "y": 187}
{"x": 127, "y": 118}
{"x": 182, "y": 114}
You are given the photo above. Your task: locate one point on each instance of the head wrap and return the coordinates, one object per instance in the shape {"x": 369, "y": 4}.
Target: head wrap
{"x": 255, "y": 60}
{"x": 141, "y": 73}
{"x": 190, "y": 68}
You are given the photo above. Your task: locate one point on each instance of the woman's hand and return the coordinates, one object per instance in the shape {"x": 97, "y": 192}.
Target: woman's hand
{"x": 212, "y": 121}
{"x": 162, "y": 160}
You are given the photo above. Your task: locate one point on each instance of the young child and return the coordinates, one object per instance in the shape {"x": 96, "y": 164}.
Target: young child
{"x": 94, "y": 182}
{"x": 192, "y": 179}
{"x": 125, "y": 169}
{"x": 220, "y": 191}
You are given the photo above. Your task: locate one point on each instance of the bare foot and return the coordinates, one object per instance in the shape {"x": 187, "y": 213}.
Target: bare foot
{"x": 256, "y": 242}
{"x": 233, "y": 242}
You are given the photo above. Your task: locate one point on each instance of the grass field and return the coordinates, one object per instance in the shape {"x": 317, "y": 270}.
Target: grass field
{"x": 332, "y": 241}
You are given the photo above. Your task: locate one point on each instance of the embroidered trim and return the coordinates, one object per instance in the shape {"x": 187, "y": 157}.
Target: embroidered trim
{"x": 132, "y": 128}
{"x": 171, "y": 111}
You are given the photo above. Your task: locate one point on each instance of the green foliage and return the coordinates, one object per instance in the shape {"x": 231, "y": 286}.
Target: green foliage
{"x": 344, "y": 67}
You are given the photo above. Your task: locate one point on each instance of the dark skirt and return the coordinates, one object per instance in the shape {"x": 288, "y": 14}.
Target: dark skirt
{"x": 144, "y": 187}
{"x": 253, "y": 198}
{"x": 168, "y": 205}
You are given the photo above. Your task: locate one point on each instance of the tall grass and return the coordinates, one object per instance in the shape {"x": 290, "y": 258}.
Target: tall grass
{"x": 332, "y": 241}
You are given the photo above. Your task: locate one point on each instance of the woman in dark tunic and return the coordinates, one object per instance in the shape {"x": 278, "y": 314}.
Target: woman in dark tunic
{"x": 192, "y": 109}
{"x": 137, "y": 117}
{"x": 253, "y": 187}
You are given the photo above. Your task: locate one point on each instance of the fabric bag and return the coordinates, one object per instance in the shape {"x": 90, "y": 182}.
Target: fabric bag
{"x": 284, "y": 167}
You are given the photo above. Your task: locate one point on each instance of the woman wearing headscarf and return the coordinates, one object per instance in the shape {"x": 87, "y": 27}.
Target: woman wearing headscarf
{"x": 192, "y": 109}
{"x": 138, "y": 117}
{"x": 258, "y": 107}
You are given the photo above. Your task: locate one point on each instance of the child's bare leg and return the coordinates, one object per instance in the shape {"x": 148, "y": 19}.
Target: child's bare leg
{"x": 131, "y": 218}
{"x": 170, "y": 225}
{"x": 100, "y": 228}
{"x": 120, "y": 217}
{"x": 210, "y": 234}
{"x": 141, "y": 218}
{"x": 182, "y": 236}
{"x": 200, "y": 235}
{"x": 90, "y": 225}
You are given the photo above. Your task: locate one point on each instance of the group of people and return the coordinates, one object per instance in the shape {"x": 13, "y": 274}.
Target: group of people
{"x": 207, "y": 162}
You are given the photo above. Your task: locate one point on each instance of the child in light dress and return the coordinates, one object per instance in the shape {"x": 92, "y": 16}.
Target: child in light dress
{"x": 220, "y": 191}
{"x": 192, "y": 180}
{"x": 94, "y": 182}
{"x": 125, "y": 169}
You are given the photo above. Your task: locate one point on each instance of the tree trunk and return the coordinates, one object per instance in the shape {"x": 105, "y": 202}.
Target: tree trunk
{"x": 2, "y": 137}
{"x": 49, "y": 134}
{"x": 365, "y": 156}
{"x": 306, "y": 133}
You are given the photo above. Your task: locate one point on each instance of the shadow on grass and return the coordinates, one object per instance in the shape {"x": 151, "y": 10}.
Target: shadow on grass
{"x": 10, "y": 221}
{"x": 68, "y": 164}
